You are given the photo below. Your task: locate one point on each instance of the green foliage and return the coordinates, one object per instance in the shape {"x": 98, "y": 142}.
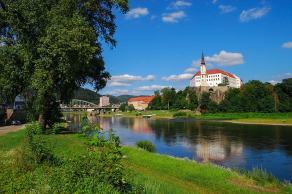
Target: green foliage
{"x": 180, "y": 114}
{"x": 108, "y": 161}
{"x": 33, "y": 129}
{"x": 57, "y": 128}
{"x": 170, "y": 99}
{"x": 123, "y": 107}
{"x": 131, "y": 108}
{"x": 284, "y": 93}
{"x": 254, "y": 96}
{"x": 146, "y": 145}
{"x": 50, "y": 48}
{"x": 40, "y": 149}
{"x": 204, "y": 101}
{"x": 156, "y": 103}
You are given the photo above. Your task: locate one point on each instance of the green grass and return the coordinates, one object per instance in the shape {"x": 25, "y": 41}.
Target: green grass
{"x": 159, "y": 173}
{"x": 163, "y": 174}
{"x": 11, "y": 140}
{"x": 156, "y": 173}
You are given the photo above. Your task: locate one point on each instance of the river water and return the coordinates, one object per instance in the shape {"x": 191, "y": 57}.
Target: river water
{"x": 226, "y": 144}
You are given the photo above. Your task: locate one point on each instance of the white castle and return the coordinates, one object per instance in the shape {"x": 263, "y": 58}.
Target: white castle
{"x": 214, "y": 77}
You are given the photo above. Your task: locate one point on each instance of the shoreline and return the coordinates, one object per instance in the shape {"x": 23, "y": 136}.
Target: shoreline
{"x": 254, "y": 123}
{"x": 224, "y": 120}
{"x": 275, "y": 119}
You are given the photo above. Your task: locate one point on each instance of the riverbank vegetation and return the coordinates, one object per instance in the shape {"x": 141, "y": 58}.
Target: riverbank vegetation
{"x": 83, "y": 164}
{"x": 254, "y": 96}
{"x": 248, "y": 117}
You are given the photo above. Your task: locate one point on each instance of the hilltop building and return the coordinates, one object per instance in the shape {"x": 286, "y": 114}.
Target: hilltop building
{"x": 214, "y": 77}
{"x": 104, "y": 101}
{"x": 140, "y": 103}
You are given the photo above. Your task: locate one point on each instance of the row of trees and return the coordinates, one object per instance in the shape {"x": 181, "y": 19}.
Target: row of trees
{"x": 254, "y": 96}
{"x": 169, "y": 98}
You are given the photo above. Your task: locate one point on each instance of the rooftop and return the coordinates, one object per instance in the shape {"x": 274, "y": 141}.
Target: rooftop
{"x": 216, "y": 71}
{"x": 145, "y": 99}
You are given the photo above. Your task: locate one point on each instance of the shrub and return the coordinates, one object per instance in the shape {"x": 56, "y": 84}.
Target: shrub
{"x": 40, "y": 150}
{"x": 180, "y": 114}
{"x": 57, "y": 128}
{"x": 32, "y": 129}
{"x": 146, "y": 145}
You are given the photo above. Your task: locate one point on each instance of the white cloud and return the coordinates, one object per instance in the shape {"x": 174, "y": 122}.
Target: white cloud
{"x": 151, "y": 88}
{"x": 127, "y": 80}
{"x": 131, "y": 78}
{"x": 287, "y": 45}
{"x": 118, "y": 84}
{"x": 226, "y": 8}
{"x": 137, "y": 12}
{"x": 173, "y": 17}
{"x": 191, "y": 70}
{"x": 179, "y": 77}
{"x": 225, "y": 58}
{"x": 118, "y": 92}
{"x": 274, "y": 82}
{"x": 181, "y": 3}
{"x": 280, "y": 77}
{"x": 254, "y": 13}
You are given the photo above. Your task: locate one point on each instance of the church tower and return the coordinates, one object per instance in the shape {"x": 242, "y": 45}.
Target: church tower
{"x": 203, "y": 71}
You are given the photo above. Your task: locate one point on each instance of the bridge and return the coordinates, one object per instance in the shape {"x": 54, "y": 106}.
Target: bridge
{"x": 82, "y": 105}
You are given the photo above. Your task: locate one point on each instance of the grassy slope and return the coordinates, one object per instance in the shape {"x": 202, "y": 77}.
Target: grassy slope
{"x": 162, "y": 174}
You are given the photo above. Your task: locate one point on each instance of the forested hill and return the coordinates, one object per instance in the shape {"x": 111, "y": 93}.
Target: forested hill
{"x": 91, "y": 96}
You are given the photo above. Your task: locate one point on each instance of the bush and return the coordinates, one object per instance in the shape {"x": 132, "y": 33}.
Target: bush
{"x": 32, "y": 129}
{"x": 40, "y": 149}
{"x": 146, "y": 145}
{"x": 57, "y": 128}
{"x": 180, "y": 114}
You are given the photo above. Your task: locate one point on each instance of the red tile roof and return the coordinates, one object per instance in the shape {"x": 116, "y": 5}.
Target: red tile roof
{"x": 145, "y": 99}
{"x": 216, "y": 71}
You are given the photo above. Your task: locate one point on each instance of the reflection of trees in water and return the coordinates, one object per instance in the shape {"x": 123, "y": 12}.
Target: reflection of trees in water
{"x": 231, "y": 137}
{"x": 203, "y": 135}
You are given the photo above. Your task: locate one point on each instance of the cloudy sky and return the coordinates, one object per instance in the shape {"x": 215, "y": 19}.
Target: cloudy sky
{"x": 160, "y": 42}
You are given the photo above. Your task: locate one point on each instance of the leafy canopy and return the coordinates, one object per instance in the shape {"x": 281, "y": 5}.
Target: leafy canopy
{"x": 49, "y": 48}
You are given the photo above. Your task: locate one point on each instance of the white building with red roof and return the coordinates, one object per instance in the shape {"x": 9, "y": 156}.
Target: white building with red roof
{"x": 214, "y": 77}
{"x": 140, "y": 103}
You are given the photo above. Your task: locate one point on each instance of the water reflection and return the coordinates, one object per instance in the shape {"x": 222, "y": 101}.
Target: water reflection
{"x": 231, "y": 145}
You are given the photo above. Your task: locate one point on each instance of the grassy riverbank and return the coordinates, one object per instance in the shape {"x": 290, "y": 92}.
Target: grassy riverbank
{"x": 259, "y": 118}
{"x": 153, "y": 173}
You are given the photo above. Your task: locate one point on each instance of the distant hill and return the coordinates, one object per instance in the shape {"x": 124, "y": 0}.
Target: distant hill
{"x": 124, "y": 98}
{"x": 91, "y": 96}
{"x": 87, "y": 95}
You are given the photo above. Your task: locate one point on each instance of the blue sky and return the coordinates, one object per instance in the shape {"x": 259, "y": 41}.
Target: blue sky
{"x": 160, "y": 42}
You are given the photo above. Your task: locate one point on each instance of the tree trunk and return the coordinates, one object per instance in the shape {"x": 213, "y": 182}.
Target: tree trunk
{"x": 42, "y": 121}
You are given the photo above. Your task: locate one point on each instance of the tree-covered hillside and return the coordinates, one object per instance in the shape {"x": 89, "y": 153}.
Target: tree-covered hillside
{"x": 92, "y": 96}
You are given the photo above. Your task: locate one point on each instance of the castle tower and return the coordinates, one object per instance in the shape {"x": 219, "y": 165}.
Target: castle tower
{"x": 203, "y": 71}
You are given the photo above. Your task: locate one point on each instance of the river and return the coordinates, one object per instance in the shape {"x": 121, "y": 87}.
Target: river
{"x": 226, "y": 144}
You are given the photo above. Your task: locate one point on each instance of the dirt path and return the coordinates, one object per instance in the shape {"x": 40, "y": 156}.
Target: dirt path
{"x": 12, "y": 128}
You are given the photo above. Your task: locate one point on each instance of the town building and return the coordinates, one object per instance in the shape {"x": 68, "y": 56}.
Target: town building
{"x": 214, "y": 77}
{"x": 140, "y": 103}
{"x": 104, "y": 101}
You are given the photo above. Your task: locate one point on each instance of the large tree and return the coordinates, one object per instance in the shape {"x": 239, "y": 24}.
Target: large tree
{"x": 49, "y": 48}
